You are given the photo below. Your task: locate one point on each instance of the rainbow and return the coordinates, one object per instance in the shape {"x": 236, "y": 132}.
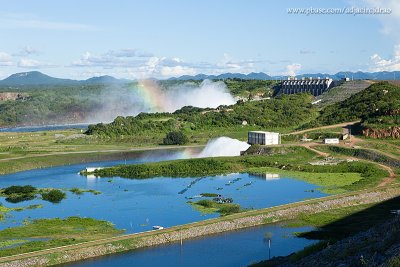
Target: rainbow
{"x": 152, "y": 95}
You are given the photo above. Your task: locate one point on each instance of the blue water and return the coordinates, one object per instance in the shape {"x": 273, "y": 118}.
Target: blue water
{"x": 44, "y": 128}
{"x": 137, "y": 205}
{"x": 238, "y": 248}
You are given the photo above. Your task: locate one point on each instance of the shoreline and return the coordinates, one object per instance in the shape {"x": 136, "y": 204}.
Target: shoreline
{"x": 91, "y": 249}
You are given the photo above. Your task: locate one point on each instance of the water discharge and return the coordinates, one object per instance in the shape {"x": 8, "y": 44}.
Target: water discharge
{"x": 223, "y": 146}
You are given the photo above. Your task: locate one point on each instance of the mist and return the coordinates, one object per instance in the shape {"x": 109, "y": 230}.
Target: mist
{"x": 223, "y": 146}
{"x": 150, "y": 96}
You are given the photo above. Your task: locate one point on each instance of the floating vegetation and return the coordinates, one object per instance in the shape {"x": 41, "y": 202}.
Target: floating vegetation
{"x": 190, "y": 185}
{"x": 79, "y": 191}
{"x": 210, "y": 195}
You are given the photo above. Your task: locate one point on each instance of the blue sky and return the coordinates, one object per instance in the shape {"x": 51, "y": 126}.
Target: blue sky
{"x": 138, "y": 39}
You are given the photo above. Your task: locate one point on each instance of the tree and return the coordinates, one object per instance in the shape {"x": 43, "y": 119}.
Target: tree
{"x": 175, "y": 138}
{"x": 54, "y": 196}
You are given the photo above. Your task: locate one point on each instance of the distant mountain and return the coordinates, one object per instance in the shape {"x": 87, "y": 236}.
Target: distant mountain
{"x": 104, "y": 80}
{"x": 384, "y": 75}
{"x": 33, "y": 78}
{"x": 250, "y": 76}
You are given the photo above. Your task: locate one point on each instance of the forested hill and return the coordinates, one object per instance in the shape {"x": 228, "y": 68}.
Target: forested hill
{"x": 378, "y": 108}
{"x": 284, "y": 111}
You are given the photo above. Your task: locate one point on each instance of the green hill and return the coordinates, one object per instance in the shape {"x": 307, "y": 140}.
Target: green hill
{"x": 285, "y": 111}
{"x": 378, "y": 108}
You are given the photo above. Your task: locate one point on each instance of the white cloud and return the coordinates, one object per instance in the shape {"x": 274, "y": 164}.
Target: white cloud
{"x": 5, "y": 59}
{"x": 27, "y": 51}
{"x": 390, "y": 22}
{"x": 129, "y": 53}
{"x": 134, "y": 63}
{"x": 292, "y": 69}
{"x": 29, "y": 21}
{"x": 177, "y": 71}
{"x": 112, "y": 59}
{"x": 380, "y": 64}
{"x": 32, "y": 63}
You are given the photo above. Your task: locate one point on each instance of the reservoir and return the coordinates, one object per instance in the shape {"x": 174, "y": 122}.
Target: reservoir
{"x": 136, "y": 205}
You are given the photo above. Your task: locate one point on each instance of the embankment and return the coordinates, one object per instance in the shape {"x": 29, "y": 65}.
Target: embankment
{"x": 208, "y": 227}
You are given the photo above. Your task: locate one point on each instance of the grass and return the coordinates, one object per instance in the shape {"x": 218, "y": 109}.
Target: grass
{"x": 207, "y": 206}
{"x": 338, "y": 223}
{"x": 331, "y": 183}
{"x": 367, "y": 154}
{"x": 59, "y": 232}
{"x": 382, "y": 145}
{"x": 11, "y": 242}
{"x": 4, "y": 210}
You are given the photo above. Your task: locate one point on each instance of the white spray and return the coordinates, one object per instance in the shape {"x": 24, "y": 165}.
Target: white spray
{"x": 223, "y": 146}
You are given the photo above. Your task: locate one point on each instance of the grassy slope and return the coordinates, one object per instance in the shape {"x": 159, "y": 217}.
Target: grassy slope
{"x": 59, "y": 232}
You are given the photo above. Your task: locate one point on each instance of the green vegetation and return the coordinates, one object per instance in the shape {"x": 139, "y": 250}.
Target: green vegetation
{"x": 285, "y": 111}
{"x": 55, "y": 104}
{"x": 364, "y": 154}
{"x": 4, "y": 210}
{"x": 338, "y": 178}
{"x": 16, "y": 193}
{"x": 58, "y": 231}
{"x": 331, "y": 183}
{"x": 207, "y": 206}
{"x": 79, "y": 191}
{"x": 339, "y": 223}
{"x": 377, "y": 107}
{"x": 12, "y": 242}
{"x": 54, "y": 195}
{"x": 74, "y": 103}
{"x": 175, "y": 138}
{"x": 209, "y": 195}
{"x": 251, "y": 89}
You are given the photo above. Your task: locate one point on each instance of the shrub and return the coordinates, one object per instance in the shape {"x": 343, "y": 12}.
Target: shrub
{"x": 175, "y": 138}
{"x": 17, "y": 189}
{"x": 227, "y": 209}
{"x": 54, "y": 196}
{"x": 206, "y": 203}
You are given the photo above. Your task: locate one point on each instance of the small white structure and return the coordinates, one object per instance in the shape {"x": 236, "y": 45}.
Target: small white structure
{"x": 331, "y": 141}
{"x": 263, "y": 138}
{"x": 92, "y": 169}
{"x": 157, "y": 227}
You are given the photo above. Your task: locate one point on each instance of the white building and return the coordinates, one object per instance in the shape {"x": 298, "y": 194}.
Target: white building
{"x": 331, "y": 141}
{"x": 263, "y": 138}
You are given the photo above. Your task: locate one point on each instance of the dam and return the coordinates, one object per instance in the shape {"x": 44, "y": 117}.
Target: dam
{"x": 314, "y": 86}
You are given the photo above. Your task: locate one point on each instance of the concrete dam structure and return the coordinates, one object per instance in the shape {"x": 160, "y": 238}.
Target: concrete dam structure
{"x": 315, "y": 86}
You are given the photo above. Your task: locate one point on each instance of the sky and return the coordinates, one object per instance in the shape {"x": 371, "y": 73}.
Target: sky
{"x": 161, "y": 39}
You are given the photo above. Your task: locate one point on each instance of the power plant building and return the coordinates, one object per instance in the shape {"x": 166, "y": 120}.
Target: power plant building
{"x": 263, "y": 138}
{"x": 315, "y": 86}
